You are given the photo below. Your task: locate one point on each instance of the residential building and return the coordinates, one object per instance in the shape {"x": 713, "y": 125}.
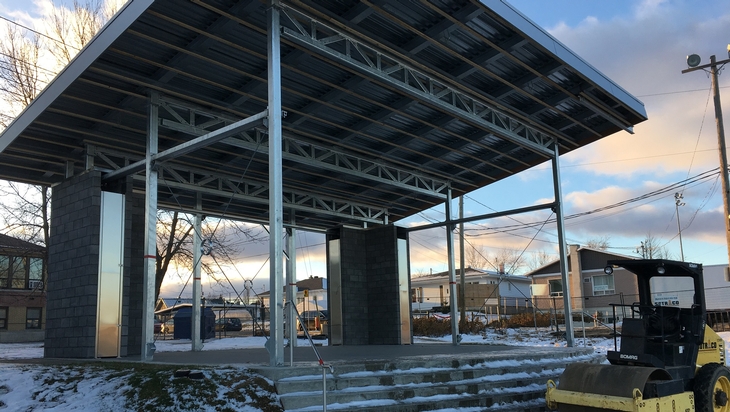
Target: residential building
{"x": 592, "y": 290}
{"x": 311, "y": 294}
{"x": 22, "y": 290}
{"x": 484, "y": 291}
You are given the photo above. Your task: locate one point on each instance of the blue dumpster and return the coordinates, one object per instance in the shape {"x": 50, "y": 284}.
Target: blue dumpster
{"x": 183, "y": 323}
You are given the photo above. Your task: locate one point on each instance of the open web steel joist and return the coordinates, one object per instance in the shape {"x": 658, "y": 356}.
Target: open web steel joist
{"x": 386, "y": 105}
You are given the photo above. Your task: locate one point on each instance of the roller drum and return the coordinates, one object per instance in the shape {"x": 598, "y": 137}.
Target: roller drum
{"x": 613, "y": 380}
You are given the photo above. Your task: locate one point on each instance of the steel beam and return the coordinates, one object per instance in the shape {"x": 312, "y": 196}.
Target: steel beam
{"x": 327, "y": 41}
{"x": 192, "y": 145}
{"x": 174, "y": 176}
{"x": 485, "y": 217}
{"x": 321, "y": 157}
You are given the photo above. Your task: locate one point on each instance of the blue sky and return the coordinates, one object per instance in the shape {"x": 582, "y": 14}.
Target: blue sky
{"x": 641, "y": 45}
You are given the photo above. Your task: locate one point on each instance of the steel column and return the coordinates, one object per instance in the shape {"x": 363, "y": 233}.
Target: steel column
{"x": 275, "y": 344}
{"x": 453, "y": 301}
{"x": 462, "y": 264}
{"x": 562, "y": 247}
{"x": 197, "y": 345}
{"x": 150, "y": 241}
{"x": 291, "y": 290}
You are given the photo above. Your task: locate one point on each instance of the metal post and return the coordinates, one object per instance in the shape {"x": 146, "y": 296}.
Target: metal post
{"x": 197, "y": 345}
{"x": 562, "y": 248}
{"x": 452, "y": 273}
{"x": 291, "y": 291}
{"x": 150, "y": 241}
{"x": 275, "y": 344}
{"x": 462, "y": 285}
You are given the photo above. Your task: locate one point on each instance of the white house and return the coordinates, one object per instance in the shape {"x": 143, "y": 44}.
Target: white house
{"x": 510, "y": 291}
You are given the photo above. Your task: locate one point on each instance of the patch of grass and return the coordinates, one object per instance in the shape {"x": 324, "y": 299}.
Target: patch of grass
{"x": 225, "y": 389}
{"x": 153, "y": 387}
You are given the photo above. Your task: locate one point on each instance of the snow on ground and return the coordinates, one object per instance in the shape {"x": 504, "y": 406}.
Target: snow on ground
{"x": 19, "y": 379}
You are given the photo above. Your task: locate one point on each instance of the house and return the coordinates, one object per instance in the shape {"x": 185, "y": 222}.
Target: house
{"x": 484, "y": 291}
{"x": 22, "y": 290}
{"x": 311, "y": 294}
{"x": 592, "y": 290}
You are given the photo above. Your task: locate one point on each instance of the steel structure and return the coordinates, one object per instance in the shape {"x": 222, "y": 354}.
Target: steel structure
{"x": 323, "y": 112}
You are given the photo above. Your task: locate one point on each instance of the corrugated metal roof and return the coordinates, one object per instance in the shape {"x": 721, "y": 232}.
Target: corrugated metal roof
{"x": 387, "y": 104}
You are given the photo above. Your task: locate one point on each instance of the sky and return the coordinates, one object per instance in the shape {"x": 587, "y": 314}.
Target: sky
{"x": 642, "y": 45}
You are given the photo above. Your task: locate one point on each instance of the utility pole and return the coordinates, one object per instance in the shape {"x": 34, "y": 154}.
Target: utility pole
{"x": 677, "y": 203}
{"x": 693, "y": 62}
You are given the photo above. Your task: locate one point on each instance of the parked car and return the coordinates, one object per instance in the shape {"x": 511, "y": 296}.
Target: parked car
{"x": 314, "y": 319}
{"x": 228, "y": 324}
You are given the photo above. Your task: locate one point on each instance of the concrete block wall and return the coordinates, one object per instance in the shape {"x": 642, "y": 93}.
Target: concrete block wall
{"x": 383, "y": 290}
{"x": 73, "y": 268}
{"x": 134, "y": 274}
{"x": 354, "y": 287}
{"x": 370, "y": 289}
{"x": 73, "y": 262}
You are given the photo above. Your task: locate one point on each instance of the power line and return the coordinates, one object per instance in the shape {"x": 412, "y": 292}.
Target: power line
{"x": 678, "y": 92}
{"x": 702, "y": 176}
{"x": 38, "y": 33}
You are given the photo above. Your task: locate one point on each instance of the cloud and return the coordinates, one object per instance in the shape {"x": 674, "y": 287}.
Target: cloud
{"x": 645, "y": 54}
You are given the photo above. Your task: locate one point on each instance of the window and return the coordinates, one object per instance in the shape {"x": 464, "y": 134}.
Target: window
{"x": 603, "y": 285}
{"x": 33, "y": 318}
{"x": 21, "y": 272}
{"x": 35, "y": 273}
{"x": 556, "y": 287}
{"x": 4, "y": 264}
{"x": 4, "y": 317}
{"x": 18, "y": 272}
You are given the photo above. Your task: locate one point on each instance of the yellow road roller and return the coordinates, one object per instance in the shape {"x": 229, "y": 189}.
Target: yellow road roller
{"x": 669, "y": 359}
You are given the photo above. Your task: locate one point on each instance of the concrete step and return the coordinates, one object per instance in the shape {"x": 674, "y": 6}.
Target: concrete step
{"x": 511, "y": 387}
{"x": 417, "y": 375}
{"x": 513, "y": 379}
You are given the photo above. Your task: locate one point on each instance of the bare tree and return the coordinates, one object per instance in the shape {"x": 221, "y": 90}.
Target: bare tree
{"x": 24, "y": 211}
{"x": 511, "y": 260}
{"x": 175, "y": 233}
{"x": 19, "y": 70}
{"x": 475, "y": 256}
{"x": 539, "y": 259}
{"x": 600, "y": 243}
{"x": 73, "y": 28}
{"x": 651, "y": 248}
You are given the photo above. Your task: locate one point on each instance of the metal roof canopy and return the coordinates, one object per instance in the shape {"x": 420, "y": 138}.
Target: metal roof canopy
{"x": 387, "y": 105}
{"x": 376, "y": 111}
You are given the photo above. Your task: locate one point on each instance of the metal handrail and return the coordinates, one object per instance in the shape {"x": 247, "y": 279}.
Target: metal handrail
{"x": 316, "y": 352}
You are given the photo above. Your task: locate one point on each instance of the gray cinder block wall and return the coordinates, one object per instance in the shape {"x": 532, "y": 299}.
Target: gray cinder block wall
{"x": 369, "y": 284}
{"x": 73, "y": 268}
